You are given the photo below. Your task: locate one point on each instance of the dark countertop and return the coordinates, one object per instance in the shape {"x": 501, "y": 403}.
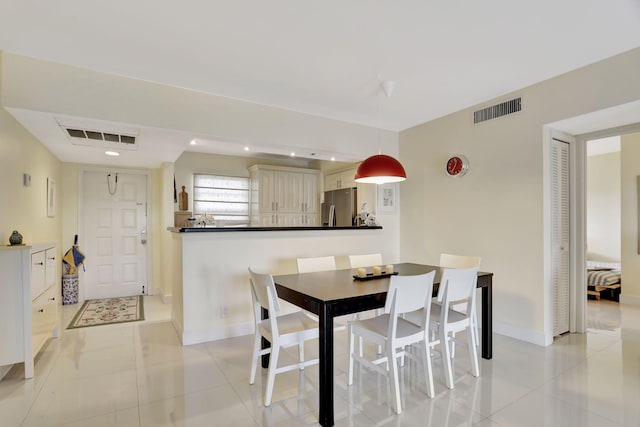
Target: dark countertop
{"x": 235, "y": 229}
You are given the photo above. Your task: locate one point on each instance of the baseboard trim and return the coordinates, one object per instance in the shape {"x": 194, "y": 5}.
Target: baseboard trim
{"x": 630, "y": 299}
{"x": 522, "y": 334}
{"x": 197, "y": 337}
{"x": 4, "y": 370}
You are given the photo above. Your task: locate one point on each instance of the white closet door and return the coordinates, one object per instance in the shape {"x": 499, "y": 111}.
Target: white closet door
{"x": 560, "y": 230}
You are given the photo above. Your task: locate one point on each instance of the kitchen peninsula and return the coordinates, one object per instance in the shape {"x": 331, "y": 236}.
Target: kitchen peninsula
{"x": 211, "y": 297}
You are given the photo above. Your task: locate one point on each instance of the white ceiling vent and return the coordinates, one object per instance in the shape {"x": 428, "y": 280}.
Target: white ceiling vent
{"x": 95, "y": 135}
{"x": 498, "y": 110}
{"x": 101, "y": 136}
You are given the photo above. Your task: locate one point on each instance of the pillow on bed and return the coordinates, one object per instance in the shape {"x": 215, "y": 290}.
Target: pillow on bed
{"x": 601, "y": 265}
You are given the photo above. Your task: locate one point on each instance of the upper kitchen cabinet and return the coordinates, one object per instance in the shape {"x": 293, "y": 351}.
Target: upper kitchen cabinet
{"x": 337, "y": 180}
{"x": 284, "y": 196}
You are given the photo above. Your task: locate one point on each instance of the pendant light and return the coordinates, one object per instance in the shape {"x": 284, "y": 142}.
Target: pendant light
{"x": 380, "y": 168}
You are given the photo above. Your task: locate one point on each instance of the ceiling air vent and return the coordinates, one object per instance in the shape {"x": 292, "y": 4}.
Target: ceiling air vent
{"x": 101, "y": 136}
{"x": 498, "y": 110}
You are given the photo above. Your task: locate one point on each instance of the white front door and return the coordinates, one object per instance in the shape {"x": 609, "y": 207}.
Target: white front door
{"x": 115, "y": 222}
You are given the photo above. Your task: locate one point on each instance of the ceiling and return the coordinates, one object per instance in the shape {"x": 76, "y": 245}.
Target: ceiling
{"x": 324, "y": 58}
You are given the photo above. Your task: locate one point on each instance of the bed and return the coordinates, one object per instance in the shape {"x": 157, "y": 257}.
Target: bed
{"x": 604, "y": 279}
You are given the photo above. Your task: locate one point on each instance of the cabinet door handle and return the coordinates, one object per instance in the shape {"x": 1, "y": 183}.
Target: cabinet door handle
{"x": 52, "y": 299}
{"x": 52, "y": 258}
{"x": 41, "y": 310}
{"x": 39, "y": 263}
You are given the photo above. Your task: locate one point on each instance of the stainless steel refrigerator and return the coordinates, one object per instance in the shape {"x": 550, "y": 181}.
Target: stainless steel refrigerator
{"x": 339, "y": 207}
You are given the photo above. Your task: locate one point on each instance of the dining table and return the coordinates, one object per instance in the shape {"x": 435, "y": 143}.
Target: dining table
{"x": 329, "y": 294}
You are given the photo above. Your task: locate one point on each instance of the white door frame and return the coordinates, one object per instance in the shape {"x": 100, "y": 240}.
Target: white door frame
{"x": 81, "y": 237}
{"x": 578, "y": 206}
{"x": 577, "y": 242}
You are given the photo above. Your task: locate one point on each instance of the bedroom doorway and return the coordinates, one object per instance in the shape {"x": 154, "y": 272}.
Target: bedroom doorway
{"x": 603, "y": 219}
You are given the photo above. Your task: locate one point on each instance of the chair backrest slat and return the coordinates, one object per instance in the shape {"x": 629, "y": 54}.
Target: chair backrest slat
{"x": 407, "y": 294}
{"x": 264, "y": 290}
{"x": 310, "y": 265}
{"x": 459, "y": 261}
{"x": 458, "y": 284}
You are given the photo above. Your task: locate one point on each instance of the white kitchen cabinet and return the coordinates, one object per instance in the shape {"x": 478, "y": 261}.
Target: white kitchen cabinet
{"x": 338, "y": 180}
{"x": 346, "y": 179}
{"x": 281, "y": 195}
{"x": 28, "y": 303}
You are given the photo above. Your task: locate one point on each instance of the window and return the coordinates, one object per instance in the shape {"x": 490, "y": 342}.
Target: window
{"x": 224, "y": 197}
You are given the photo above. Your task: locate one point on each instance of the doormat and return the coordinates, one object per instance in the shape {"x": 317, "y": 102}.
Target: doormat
{"x": 108, "y": 311}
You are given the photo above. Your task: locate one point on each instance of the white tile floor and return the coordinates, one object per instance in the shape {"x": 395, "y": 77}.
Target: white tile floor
{"x": 137, "y": 374}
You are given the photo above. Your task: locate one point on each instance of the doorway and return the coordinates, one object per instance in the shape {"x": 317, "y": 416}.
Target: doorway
{"x": 114, "y": 233}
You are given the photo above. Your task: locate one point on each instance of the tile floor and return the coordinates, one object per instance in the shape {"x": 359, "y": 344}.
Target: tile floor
{"x": 137, "y": 374}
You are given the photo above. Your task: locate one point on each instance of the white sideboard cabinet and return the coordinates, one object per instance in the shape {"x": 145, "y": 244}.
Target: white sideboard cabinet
{"x": 29, "y": 302}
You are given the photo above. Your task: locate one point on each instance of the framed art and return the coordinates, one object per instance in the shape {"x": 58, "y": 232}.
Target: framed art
{"x": 51, "y": 197}
{"x": 388, "y": 198}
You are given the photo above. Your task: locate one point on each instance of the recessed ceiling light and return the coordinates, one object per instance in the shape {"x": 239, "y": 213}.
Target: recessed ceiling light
{"x": 333, "y": 159}
{"x": 246, "y": 148}
{"x": 193, "y": 142}
{"x": 111, "y": 153}
{"x": 293, "y": 154}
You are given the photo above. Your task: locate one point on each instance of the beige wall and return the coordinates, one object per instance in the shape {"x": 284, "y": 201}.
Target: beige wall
{"x": 496, "y": 211}
{"x": 25, "y": 208}
{"x": 603, "y": 207}
{"x": 630, "y": 148}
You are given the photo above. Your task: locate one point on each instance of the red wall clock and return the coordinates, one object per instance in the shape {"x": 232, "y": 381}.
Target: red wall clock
{"x": 457, "y": 165}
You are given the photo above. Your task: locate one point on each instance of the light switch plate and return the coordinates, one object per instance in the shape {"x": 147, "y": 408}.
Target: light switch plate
{"x": 26, "y": 179}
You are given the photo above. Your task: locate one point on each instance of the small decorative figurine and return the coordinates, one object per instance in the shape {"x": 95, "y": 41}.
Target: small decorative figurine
{"x": 364, "y": 213}
{"x": 15, "y": 238}
{"x": 183, "y": 201}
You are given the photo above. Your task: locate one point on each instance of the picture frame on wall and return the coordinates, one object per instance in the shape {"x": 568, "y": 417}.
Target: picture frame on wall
{"x": 388, "y": 198}
{"x": 51, "y": 197}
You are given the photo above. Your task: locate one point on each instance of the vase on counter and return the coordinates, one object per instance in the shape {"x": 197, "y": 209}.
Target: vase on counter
{"x": 15, "y": 238}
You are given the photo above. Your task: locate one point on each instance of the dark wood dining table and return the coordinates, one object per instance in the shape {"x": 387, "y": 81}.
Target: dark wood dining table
{"x": 329, "y": 294}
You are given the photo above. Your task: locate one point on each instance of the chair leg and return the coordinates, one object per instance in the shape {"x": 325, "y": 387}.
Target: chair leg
{"x": 395, "y": 383}
{"x": 473, "y": 354}
{"x": 255, "y": 358}
{"x": 446, "y": 358}
{"x": 301, "y": 352}
{"x": 379, "y": 312}
{"x": 351, "y": 351}
{"x": 453, "y": 345}
{"x": 271, "y": 374}
{"x": 428, "y": 367}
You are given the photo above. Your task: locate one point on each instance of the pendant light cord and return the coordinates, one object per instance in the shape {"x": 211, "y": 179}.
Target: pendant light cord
{"x": 115, "y": 188}
{"x": 379, "y": 114}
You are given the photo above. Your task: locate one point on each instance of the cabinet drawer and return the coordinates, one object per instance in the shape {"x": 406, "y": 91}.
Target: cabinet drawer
{"x": 37, "y": 273}
{"x": 44, "y": 318}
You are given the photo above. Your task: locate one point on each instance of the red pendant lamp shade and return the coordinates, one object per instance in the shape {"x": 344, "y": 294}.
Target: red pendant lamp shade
{"x": 380, "y": 169}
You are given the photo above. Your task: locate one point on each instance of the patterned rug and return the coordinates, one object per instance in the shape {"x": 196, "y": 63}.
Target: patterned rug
{"x": 108, "y": 311}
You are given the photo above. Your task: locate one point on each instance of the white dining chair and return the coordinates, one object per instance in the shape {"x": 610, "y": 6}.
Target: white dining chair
{"x": 458, "y": 286}
{"x": 281, "y": 331}
{"x": 366, "y": 260}
{"x": 461, "y": 261}
{"x": 391, "y": 331}
{"x": 313, "y": 264}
